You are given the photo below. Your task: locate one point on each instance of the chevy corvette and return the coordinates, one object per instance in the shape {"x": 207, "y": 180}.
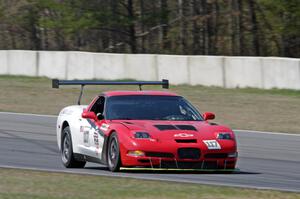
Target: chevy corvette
{"x": 155, "y": 129}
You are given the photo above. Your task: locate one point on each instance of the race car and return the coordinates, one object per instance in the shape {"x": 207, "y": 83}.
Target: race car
{"x": 156, "y": 129}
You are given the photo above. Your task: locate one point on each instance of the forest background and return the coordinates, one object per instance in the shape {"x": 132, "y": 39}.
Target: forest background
{"x": 187, "y": 27}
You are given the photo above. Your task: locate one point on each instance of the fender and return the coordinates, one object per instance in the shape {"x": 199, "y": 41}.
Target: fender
{"x": 71, "y": 115}
{"x": 123, "y": 134}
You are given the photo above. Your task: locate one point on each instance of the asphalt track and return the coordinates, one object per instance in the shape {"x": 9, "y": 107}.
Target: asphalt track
{"x": 266, "y": 160}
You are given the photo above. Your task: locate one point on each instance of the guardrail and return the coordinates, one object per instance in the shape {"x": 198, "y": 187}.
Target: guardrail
{"x": 223, "y": 71}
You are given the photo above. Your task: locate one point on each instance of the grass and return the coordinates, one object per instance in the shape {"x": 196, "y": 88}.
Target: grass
{"x": 255, "y": 109}
{"x": 21, "y": 184}
{"x": 272, "y": 110}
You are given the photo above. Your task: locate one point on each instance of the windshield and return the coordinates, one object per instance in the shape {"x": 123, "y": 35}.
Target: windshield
{"x": 150, "y": 107}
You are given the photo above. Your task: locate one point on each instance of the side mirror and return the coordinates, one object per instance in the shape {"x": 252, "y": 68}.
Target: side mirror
{"x": 89, "y": 115}
{"x": 100, "y": 116}
{"x": 208, "y": 116}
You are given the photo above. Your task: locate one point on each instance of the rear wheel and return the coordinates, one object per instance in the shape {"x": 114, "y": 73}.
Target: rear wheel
{"x": 67, "y": 155}
{"x": 113, "y": 153}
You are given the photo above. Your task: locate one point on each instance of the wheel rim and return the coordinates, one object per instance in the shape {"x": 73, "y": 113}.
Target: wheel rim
{"x": 113, "y": 152}
{"x": 66, "y": 149}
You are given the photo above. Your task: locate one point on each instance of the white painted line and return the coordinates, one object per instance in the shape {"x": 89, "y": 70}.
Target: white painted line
{"x": 240, "y": 130}
{"x": 265, "y": 132}
{"x": 27, "y": 114}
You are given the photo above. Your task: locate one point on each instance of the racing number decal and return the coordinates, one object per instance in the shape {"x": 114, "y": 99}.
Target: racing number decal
{"x": 93, "y": 138}
{"x": 212, "y": 144}
{"x": 96, "y": 139}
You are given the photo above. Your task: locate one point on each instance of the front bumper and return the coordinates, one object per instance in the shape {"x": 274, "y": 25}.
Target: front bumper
{"x": 206, "y": 160}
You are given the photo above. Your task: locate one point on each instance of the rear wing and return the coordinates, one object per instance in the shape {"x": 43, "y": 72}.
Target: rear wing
{"x": 56, "y": 83}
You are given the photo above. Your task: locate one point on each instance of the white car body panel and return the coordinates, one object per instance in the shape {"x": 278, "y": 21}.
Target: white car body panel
{"x": 86, "y": 139}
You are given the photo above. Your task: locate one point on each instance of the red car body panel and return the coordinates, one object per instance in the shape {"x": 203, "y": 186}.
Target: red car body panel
{"x": 164, "y": 144}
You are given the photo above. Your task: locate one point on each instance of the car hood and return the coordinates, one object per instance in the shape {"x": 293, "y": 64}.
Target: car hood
{"x": 166, "y": 130}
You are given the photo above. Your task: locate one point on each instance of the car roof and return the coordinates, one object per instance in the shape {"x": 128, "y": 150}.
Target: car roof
{"x": 122, "y": 93}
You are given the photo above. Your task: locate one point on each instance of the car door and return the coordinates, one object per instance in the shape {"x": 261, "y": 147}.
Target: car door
{"x": 96, "y": 135}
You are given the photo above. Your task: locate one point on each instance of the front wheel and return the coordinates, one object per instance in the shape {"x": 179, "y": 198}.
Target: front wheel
{"x": 113, "y": 153}
{"x": 67, "y": 155}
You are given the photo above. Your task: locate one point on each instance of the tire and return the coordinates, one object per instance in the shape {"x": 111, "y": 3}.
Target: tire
{"x": 67, "y": 155}
{"x": 113, "y": 153}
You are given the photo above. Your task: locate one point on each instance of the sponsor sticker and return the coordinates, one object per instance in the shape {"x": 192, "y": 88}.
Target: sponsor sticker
{"x": 104, "y": 127}
{"x": 212, "y": 144}
{"x": 96, "y": 139}
{"x": 86, "y": 137}
{"x": 84, "y": 128}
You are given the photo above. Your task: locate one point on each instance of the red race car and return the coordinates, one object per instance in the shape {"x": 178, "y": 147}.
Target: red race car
{"x": 142, "y": 129}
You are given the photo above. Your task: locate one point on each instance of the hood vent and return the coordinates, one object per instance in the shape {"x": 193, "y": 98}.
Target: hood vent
{"x": 165, "y": 127}
{"x": 175, "y": 127}
{"x": 186, "y": 127}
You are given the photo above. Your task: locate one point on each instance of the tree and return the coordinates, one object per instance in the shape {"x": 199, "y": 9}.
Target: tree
{"x": 202, "y": 27}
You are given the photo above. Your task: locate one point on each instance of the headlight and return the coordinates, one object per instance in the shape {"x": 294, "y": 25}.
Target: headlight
{"x": 141, "y": 135}
{"x": 224, "y": 136}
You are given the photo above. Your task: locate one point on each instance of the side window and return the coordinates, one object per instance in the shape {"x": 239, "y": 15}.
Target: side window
{"x": 98, "y": 107}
